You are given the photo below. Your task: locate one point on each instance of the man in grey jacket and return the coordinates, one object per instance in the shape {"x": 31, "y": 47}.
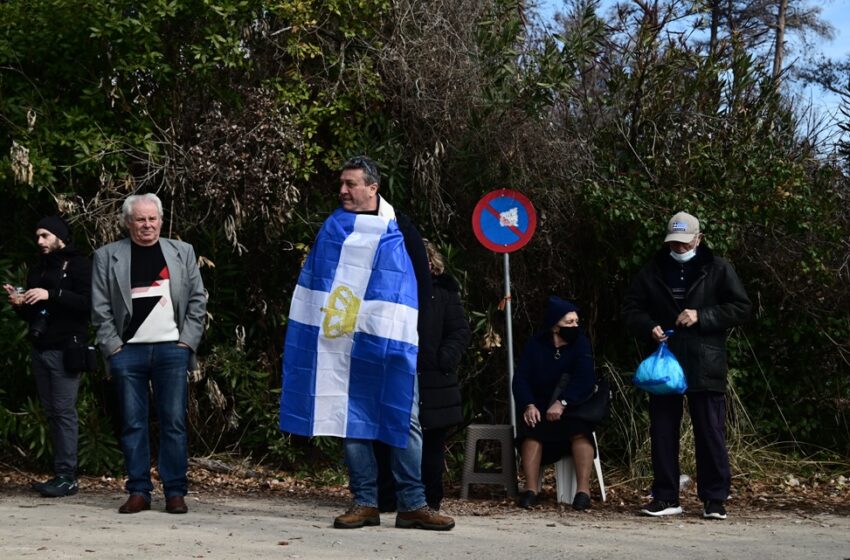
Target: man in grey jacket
{"x": 148, "y": 306}
{"x": 698, "y": 296}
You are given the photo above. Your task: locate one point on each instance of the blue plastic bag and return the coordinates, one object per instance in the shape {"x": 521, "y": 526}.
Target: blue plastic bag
{"x": 661, "y": 373}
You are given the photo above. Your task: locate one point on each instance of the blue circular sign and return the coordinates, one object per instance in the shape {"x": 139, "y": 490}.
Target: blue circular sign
{"x": 504, "y": 221}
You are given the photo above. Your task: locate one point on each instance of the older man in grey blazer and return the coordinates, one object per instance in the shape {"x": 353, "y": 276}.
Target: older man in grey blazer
{"x": 148, "y": 306}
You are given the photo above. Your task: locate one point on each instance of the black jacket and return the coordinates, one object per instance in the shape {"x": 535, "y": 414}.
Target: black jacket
{"x": 419, "y": 258}
{"x": 720, "y": 300}
{"x": 66, "y": 275}
{"x": 442, "y": 343}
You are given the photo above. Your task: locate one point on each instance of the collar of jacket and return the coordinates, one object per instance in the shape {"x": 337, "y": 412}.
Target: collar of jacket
{"x": 703, "y": 258}
{"x": 57, "y": 257}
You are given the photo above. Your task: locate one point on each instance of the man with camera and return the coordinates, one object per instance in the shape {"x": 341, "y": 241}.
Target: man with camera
{"x": 56, "y": 305}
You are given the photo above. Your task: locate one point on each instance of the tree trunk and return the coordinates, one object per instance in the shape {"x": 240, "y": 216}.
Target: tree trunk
{"x": 715, "y": 24}
{"x": 779, "y": 50}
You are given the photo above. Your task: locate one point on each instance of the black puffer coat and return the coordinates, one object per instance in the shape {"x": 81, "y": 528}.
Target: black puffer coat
{"x": 441, "y": 346}
{"x": 720, "y": 300}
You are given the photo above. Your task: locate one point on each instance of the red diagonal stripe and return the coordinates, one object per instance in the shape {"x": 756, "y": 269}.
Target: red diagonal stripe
{"x": 495, "y": 212}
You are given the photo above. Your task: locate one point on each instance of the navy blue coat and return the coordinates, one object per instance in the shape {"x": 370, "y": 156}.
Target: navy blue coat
{"x": 539, "y": 372}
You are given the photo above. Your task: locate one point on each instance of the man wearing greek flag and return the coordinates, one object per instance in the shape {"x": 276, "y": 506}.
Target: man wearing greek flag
{"x": 349, "y": 365}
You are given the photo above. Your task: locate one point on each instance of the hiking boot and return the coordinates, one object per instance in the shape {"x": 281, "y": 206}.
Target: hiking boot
{"x": 581, "y": 502}
{"x": 59, "y": 487}
{"x": 527, "y": 500}
{"x": 358, "y": 516}
{"x": 660, "y": 508}
{"x": 714, "y": 509}
{"x": 424, "y": 518}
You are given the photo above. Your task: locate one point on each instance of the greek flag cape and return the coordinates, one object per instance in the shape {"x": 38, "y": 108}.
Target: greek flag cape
{"x": 349, "y": 363}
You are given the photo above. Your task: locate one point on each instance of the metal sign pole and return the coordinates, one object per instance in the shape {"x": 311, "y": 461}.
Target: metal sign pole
{"x": 510, "y": 336}
{"x": 504, "y": 221}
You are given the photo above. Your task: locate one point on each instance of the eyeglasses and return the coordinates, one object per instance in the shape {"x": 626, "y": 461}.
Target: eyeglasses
{"x": 363, "y": 162}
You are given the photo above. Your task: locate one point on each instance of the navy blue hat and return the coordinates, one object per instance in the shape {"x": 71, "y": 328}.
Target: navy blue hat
{"x": 557, "y": 308}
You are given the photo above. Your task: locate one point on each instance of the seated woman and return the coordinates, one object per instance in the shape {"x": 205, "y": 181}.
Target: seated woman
{"x": 555, "y": 369}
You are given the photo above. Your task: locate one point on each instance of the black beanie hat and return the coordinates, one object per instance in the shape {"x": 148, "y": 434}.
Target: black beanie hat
{"x": 57, "y": 226}
{"x": 556, "y": 309}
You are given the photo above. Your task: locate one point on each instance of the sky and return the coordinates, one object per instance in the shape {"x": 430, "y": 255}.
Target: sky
{"x": 836, "y": 12}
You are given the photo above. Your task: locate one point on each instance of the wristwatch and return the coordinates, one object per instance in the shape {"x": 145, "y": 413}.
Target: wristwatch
{"x": 563, "y": 402}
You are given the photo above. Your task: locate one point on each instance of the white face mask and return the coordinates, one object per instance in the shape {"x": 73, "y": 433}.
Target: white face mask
{"x": 684, "y": 257}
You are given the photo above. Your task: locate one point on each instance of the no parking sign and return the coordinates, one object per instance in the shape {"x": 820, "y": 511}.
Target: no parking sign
{"x": 504, "y": 221}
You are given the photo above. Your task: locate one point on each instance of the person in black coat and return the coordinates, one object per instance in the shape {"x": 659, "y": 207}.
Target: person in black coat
{"x": 698, "y": 295}
{"x": 56, "y": 307}
{"x": 443, "y": 339}
{"x": 543, "y": 434}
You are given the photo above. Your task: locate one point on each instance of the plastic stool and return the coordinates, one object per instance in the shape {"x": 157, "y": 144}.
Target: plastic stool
{"x": 504, "y": 434}
{"x": 565, "y": 476}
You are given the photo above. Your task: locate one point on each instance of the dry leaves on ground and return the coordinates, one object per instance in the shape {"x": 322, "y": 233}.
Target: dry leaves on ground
{"x": 819, "y": 494}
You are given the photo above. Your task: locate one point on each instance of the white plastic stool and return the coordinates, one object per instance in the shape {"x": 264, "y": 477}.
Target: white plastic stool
{"x": 565, "y": 476}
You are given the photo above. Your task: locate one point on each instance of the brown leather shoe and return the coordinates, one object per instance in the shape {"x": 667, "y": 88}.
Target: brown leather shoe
{"x": 357, "y": 516}
{"x": 134, "y": 504}
{"x": 424, "y": 518}
{"x": 176, "y": 504}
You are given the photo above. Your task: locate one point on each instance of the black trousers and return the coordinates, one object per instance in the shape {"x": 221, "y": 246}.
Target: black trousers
{"x": 708, "y": 416}
{"x": 433, "y": 464}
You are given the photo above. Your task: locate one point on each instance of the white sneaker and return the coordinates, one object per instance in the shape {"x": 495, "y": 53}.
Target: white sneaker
{"x": 714, "y": 509}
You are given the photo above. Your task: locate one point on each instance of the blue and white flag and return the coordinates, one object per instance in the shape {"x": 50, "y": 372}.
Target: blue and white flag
{"x": 349, "y": 363}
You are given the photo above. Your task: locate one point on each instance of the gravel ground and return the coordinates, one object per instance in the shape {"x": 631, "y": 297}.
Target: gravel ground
{"x": 295, "y": 524}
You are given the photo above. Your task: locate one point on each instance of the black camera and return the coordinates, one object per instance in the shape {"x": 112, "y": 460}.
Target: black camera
{"x": 38, "y": 324}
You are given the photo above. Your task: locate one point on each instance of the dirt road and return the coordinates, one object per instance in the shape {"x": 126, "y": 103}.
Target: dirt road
{"x": 218, "y": 528}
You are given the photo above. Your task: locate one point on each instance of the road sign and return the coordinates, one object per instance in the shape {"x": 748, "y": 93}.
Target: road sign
{"x": 504, "y": 221}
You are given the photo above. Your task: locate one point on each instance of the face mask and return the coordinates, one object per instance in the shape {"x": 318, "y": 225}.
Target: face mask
{"x": 683, "y": 257}
{"x": 570, "y": 334}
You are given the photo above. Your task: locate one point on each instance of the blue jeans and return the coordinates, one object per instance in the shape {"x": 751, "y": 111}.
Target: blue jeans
{"x": 405, "y": 464}
{"x": 134, "y": 368}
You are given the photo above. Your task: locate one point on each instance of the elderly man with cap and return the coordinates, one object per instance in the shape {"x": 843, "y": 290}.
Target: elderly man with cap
{"x": 56, "y": 307}
{"x": 687, "y": 289}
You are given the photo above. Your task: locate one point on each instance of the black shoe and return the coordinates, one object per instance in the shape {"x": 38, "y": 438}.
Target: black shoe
{"x": 527, "y": 500}
{"x": 59, "y": 487}
{"x": 581, "y": 502}
{"x": 37, "y": 486}
{"x": 660, "y": 508}
{"x": 714, "y": 509}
